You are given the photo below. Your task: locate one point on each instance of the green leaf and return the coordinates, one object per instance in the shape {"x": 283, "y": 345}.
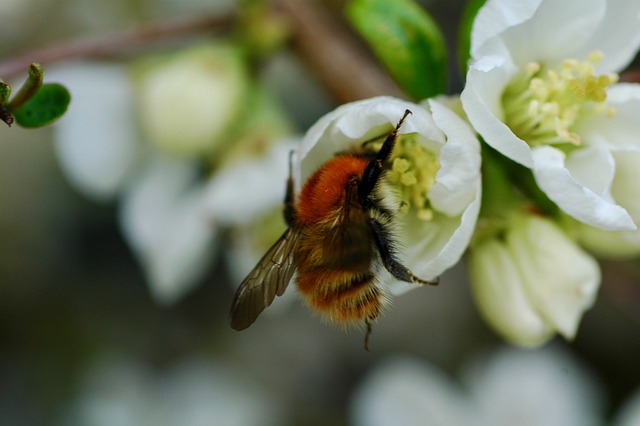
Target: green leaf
{"x": 406, "y": 40}
{"x": 46, "y": 105}
{"x": 464, "y": 32}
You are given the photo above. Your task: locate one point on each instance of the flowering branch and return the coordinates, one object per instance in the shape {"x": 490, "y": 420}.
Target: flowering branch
{"x": 113, "y": 44}
{"x": 332, "y": 54}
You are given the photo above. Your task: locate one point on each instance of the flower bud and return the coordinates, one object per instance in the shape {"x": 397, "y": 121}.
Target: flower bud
{"x": 188, "y": 101}
{"x": 533, "y": 282}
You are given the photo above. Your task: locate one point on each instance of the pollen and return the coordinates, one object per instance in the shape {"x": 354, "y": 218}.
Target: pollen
{"x": 542, "y": 106}
{"x": 413, "y": 173}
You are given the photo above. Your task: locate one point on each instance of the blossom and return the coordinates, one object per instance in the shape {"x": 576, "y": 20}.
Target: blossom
{"x": 542, "y": 90}
{"x": 434, "y": 172}
{"x": 126, "y": 391}
{"x": 532, "y": 281}
{"x": 114, "y": 145}
{"x": 509, "y": 386}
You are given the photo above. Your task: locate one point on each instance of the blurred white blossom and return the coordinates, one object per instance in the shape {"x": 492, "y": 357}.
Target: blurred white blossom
{"x": 439, "y": 156}
{"x": 533, "y": 281}
{"x": 542, "y": 90}
{"x": 195, "y": 392}
{"x": 629, "y": 413}
{"x": 509, "y": 387}
{"x": 187, "y": 102}
{"x": 195, "y": 118}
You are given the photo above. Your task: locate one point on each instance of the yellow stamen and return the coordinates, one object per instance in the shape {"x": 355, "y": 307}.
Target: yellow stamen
{"x": 543, "y": 105}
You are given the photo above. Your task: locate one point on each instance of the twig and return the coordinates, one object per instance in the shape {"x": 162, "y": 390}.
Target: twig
{"x": 632, "y": 75}
{"x": 341, "y": 65}
{"x": 113, "y": 44}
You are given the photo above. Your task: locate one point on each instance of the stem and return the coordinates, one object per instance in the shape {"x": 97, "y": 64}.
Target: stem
{"x": 333, "y": 55}
{"x": 29, "y": 88}
{"x": 113, "y": 44}
{"x": 632, "y": 75}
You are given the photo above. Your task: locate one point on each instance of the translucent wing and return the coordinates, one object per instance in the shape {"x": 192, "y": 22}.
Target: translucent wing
{"x": 347, "y": 243}
{"x": 269, "y": 278}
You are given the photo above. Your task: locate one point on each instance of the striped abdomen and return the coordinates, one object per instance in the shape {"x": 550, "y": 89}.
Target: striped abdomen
{"x": 341, "y": 296}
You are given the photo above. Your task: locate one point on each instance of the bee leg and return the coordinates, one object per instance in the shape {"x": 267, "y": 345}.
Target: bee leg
{"x": 289, "y": 199}
{"x": 366, "y": 336}
{"x": 386, "y": 250}
{"x": 374, "y": 168}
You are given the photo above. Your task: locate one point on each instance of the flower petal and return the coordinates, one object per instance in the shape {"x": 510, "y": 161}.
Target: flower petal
{"x": 495, "y": 17}
{"x": 625, "y": 183}
{"x": 164, "y": 222}
{"x": 96, "y": 143}
{"x": 530, "y": 388}
{"x": 593, "y": 167}
{"x": 339, "y": 129}
{"x": 405, "y": 391}
{"x": 616, "y": 36}
{"x": 455, "y": 186}
{"x": 244, "y": 190}
{"x": 499, "y": 292}
{"x": 622, "y": 130}
{"x": 481, "y": 100}
{"x": 573, "y": 197}
{"x": 554, "y": 31}
{"x": 561, "y": 280}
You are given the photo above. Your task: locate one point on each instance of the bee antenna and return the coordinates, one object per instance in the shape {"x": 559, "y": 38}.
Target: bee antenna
{"x": 407, "y": 112}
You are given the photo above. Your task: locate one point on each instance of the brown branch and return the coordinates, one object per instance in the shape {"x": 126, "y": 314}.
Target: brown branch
{"x": 113, "y": 44}
{"x": 632, "y": 75}
{"x": 332, "y": 55}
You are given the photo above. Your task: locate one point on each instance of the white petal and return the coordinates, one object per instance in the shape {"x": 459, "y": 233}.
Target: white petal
{"x": 354, "y": 122}
{"x": 405, "y": 391}
{"x": 481, "y": 99}
{"x": 574, "y": 198}
{"x": 499, "y": 292}
{"x": 244, "y": 190}
{"x": 629, "y": 414}
{"x": 617, "y": 245}
{"x": 434, "y": 246}
{"x": 455, "y": 187}
{"x": 96, "y": 140}
{"x": 495, "y": 17}
{"x": 554, "y": 31}
{"x": 560, "y": 279}
{"x": 187, "y": 102}
{"x": 594, "y": 168}
{"x": 164, "y": 221}
{"x": 532, "y": 388}
{"x": 621, "y": 131}
{"x": 625, "y": 185}
{"x": 617, "y": 35}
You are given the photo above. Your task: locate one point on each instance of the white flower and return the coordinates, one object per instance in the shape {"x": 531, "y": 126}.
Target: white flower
{"x": 531, "y": 388}
{"x": 194, "y": 392}
{"x": 165, "y": 223}
{"x": 96, "y": 142}
{"x": 509, "y": 387}
{"x": 443, "y": 192}
{"x": 188, "y": 101}
{"x": 629, "y": 414}
{"x": 248, "y": 197}
{"x": 533, "y": 281}
{"x": 542, "y": 76}
{"x": 163, "y": 212}
{"x": 407, "y": 391}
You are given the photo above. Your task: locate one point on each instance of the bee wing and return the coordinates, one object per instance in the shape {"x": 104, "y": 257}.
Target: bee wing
{"x": 347, "y": 243}
{"x": 269, "y": 278}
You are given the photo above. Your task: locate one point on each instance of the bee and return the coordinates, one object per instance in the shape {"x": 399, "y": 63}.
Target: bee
{"x": 339, "y": 238}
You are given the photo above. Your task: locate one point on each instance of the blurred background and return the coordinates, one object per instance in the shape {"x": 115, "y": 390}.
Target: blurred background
{"x": 84, "y": 341}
